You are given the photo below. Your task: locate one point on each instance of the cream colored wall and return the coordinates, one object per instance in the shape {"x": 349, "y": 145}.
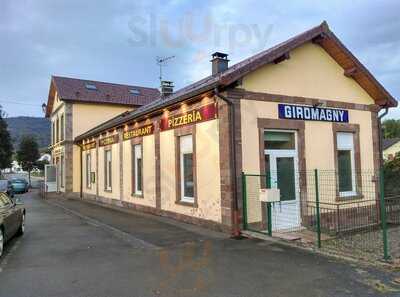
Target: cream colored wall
{"x": 319, "y": 149}
{"x": 310, "y": 72}
{"x": 318, "y": 137}
{"x": 149, "y": 178}
{"x": 115, "y": 186}
{"x": 85, "y": 189}
{"x": 392, "y": 150}
{"x": 57, "y": 102}
{"x": 76, "y": 168}
{"x": 87, "y": 116}
{"x": 208, "y": 173}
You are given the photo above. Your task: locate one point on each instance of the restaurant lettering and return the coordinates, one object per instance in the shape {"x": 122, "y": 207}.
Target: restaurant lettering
{"x": 310, "y": 113}
{"x": 108, "y": 140}
{"x": 204, "y": 113}
{"x": 89, "y": 146}
{"x": 138, "y": 132}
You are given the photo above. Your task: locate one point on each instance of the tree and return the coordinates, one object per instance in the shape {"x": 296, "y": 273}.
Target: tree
{"x": 391, "y": 128}
{"x": 28, "y": 154}
{"x": 6, "y": 148}
{"x": 391, "y": 172}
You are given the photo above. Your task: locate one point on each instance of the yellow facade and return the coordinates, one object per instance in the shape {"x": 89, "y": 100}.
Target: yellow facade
{"x": 88, "y": 116}
{"x": 149, "y": 182}
{"x": 207, "y": 173}
{"x": 310, "y": 72}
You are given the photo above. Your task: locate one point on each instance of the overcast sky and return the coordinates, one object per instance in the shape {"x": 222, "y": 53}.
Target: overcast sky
{"x": 119, "y": 40}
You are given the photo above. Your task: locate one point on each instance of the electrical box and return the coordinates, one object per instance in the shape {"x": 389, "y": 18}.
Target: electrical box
{"x": 270, "y": 195}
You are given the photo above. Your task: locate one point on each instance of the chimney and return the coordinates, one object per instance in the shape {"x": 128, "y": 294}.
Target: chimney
{"x": 219, "y": 62}
{"x": 167, "y": 88}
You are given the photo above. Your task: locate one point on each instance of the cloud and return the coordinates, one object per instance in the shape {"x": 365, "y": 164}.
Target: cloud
{"x": 118, "y": 40}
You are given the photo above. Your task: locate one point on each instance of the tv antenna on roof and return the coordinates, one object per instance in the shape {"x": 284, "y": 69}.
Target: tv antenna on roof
{"x": 162, "y": 61}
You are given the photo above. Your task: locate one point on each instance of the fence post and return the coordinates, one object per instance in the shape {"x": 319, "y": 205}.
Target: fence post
{"x": 317, "y": 206}
{"x": 383, "y": 214}
{"x": 269, "y": 218}
{"x": 244, "y": 193}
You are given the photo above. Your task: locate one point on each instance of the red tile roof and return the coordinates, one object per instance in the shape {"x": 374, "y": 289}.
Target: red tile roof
{"x": 72, "y": 89}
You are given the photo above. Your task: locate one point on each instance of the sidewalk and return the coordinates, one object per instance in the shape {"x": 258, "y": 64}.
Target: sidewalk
{"x": 158, "y": 231}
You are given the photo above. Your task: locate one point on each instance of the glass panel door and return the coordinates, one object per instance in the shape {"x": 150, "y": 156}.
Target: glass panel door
{"x": 286, "y": 178}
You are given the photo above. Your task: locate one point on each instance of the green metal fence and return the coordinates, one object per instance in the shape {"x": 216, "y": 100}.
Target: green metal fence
{"x": 353, "y": 220}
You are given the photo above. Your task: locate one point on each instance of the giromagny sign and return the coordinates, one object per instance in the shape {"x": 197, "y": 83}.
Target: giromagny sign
{"x": 310, "y": 113}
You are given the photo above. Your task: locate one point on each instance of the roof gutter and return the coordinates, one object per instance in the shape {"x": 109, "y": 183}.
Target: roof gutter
{"x": 232, "y": 149}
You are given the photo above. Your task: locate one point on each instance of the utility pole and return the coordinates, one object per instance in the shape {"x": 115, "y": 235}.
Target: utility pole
{"x": 161, "y": 62}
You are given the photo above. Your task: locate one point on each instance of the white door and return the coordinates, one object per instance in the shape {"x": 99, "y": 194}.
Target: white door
{"x": 50, "y": 177}
{"x": 281, "y": 164}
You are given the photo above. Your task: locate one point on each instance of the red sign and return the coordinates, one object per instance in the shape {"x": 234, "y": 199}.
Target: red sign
{"x": 89, "y": 146}
{"x": 204, "y": 113}
{"x": 108, "y": 140}
{"x": 137, "y": 132}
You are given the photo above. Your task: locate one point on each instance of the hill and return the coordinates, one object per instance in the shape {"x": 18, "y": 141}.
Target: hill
{"x": 38, "y": 127}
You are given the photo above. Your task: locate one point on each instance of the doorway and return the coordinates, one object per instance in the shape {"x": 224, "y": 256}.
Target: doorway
{"x": 281, "y": 167}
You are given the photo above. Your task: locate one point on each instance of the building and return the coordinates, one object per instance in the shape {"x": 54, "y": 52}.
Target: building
{"x": 304, "y": 104}
{"x": 390, "y": 148}
{"x": 75, "y": 106}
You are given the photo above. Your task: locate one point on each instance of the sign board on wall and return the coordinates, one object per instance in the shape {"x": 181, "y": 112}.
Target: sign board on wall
{"x": 201, "y": 114}
{"x": 89, "y": 146}
{"x": 310, "y": 113}
{"x": 108, "y": 140}
{"x": 138, "y": 132}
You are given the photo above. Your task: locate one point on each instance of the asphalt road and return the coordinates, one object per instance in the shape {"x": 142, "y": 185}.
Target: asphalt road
{"x": 76, "y": 249}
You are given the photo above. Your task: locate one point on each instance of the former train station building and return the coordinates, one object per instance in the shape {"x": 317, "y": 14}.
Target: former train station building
{"x": 307, "y": 103}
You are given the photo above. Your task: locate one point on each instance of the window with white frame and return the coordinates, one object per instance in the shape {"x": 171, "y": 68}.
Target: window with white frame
{"x": 88, "y": 170}
{"x": 62, "y": 171}
{"x": 186, "y": 168}
{"x": 138, "y": 169}
{"x": 57, "y": 130}
{"x": 107, "y": 170}
{"x": 346, "y": 164}
{"x": 53, "y": 135}
{"x": 62, "y": 127}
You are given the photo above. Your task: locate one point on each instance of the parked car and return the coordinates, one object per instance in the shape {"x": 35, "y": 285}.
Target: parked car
{"x": 6, "y": 187}
{"x": 12, "y": 219}
{"x": 20, "y": 185}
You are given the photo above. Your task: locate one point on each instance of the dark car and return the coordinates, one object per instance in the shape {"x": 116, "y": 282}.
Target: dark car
{"x": 19, "y": 185}
{"x": 12, "y": 219}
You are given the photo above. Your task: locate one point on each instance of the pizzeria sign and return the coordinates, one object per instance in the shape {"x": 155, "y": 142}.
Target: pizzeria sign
{"x": 201, "y": 114}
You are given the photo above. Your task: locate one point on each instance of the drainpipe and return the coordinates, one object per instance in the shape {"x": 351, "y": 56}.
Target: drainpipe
{"x": 381, "y": 135}
{"x": 80, "y": 172}
{"x": 236, "y": 228}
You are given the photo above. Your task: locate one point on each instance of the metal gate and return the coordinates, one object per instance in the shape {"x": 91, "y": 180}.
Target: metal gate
{"x": 311, "y": 210}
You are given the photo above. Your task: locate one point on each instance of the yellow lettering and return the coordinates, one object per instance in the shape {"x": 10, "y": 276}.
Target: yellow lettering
{"x": 198, "y": 116}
